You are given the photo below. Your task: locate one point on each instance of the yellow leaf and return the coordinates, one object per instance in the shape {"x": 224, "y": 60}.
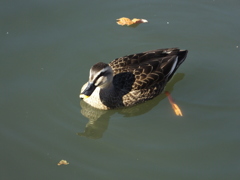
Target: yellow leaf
{"x": 128, "y": 22}
{"x": 124, "y": 21}
{"x": 135, "y": 20}
{"x": 62, "y": 162}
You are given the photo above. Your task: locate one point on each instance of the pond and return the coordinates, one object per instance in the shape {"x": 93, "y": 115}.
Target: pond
{"x": 47, "y": 49}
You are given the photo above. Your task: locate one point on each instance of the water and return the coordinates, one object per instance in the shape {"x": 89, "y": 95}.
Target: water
{"x": 47, "y": 48}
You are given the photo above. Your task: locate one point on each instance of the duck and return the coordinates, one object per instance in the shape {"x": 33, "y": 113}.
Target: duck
{"x": 131, "y": 79}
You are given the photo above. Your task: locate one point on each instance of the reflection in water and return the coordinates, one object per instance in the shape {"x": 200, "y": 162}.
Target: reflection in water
{"x": 98, "y": 119}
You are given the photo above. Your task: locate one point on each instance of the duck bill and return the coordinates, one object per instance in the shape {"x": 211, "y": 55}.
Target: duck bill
{"x": 88, "y": 91}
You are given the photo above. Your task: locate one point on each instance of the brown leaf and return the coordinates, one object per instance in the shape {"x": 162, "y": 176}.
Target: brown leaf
{"x": 128, "y": 22}
{"x": 62, "y": 162}
{"x": 135, "y": 20}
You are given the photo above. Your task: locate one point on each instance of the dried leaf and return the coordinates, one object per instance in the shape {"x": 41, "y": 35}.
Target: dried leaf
{"x": 62, "y": 162}
{"x": 175, "y": 107}
{"x": 124, "y": 21}
{"x": 135, "y": 20}
{"x": 128, "y": 22}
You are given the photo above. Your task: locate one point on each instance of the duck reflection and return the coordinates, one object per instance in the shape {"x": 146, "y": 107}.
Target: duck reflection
{"x": 99, "y": 119}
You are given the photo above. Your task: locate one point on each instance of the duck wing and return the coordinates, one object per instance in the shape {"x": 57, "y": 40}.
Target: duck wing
{"x": 149, "y": 68}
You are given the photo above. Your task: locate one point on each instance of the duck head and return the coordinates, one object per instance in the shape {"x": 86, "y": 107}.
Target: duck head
{"x": 101, "y": 76}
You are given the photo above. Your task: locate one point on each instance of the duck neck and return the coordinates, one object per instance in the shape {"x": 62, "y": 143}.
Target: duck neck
{"x": 109, "y": 96}
{"x": 108, "y": 89}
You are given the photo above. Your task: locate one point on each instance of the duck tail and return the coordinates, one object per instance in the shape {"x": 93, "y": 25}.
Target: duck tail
{"x": 181, "y": 54}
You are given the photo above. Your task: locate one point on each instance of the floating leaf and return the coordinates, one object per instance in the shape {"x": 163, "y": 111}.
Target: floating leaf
{"x": 62, "y": 162}
{"x": 175, "y": 107}
{"x": 128, "y": 22}
{"x": 135, "y": 20}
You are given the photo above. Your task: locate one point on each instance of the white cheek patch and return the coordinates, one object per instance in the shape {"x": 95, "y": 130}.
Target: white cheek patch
{"x": 93, "y": 75}
{"x": 99, "y": 81}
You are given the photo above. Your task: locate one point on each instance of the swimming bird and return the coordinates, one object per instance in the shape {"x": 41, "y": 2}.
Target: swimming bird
{"x": 132, "y": 79}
